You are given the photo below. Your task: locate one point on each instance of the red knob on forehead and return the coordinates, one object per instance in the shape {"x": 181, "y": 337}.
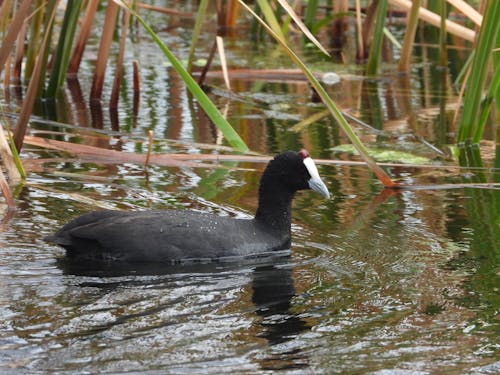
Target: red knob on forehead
{"x": 303, "y": 154}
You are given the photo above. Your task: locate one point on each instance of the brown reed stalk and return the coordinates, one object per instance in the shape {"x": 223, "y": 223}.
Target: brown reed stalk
{"x": 82, "y": 38}
{"x": 31, "y": 92}
{"x": 4, "y": 186}
{"x": 368, "y": 25}
{"x": 36, "y": 24}
{"x": 13, "y": 31}
{"x": 137, "y": 88}
{"x": 201, "y": 78}
{"x": 6, "y": 80}
{"x": 7, "y": 158}
{"x": 231, "y": 13}
{"x": 227, "y": 11}
{"x": 150, "y": 147}
{"x": 409, "y": 38}
{"x": 169, "y": 11}
{"x": 104, "y": 46}
{"x": 19, "y": 54}
{"x": 115, "y": 93}
{"x": 360, "y": 53}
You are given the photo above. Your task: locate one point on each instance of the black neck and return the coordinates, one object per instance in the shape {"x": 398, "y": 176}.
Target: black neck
{"x": 275, "y": 206}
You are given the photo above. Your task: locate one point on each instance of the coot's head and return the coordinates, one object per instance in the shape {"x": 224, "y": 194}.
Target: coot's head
{"x": 295, "y": 171}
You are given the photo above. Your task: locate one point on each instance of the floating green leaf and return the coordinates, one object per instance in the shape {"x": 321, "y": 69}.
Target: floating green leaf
{"x": 386, "y": 156}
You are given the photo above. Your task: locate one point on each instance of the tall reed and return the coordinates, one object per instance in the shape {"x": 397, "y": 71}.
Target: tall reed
{"x": 200, "y": 16}
{"x": 64, "y": 47}
{"x": 13, "y": 30}
{"x": 470, "y": 129}
{"x": 34, "y": 85}
{"x": 82, "y": 38}
{"x": 378, "y": 36}
{"x": 104, "y": 47}
{"x": 411, "y": 29}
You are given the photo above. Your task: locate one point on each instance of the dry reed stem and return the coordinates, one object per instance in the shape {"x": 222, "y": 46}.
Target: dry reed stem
{"x": 203, "y": 74}
{"x": 409, "y": 38}
{"x": 83, "y": 36}
{"x": 223, "y": 62}
{"x": 434, "y": 19}
{"x": 368, "y": 23}
{"x": 115, "y": 93}
{"x": 102, "y": 155}
{"x": 467, "y": 10}
{"x": 301, "y": 25}
{"x": 231, "y": 13}
{"x": 137, "y": 87}
{"x": 6, "y": 81}
{"x": 359, "y": 31}
{"x": 169, "y": 11}
{"x": 14, "y": 29}
{"x": 104, "y": 46}
{"x": 4, "y": 186}
{"x": 7, "y": 158}
{"x": 31, "y": 92}
{"x": 19, "y": 53}
{"x": 150, "y": 147}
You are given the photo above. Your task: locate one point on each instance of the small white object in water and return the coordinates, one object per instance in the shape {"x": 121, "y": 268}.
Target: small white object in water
{"x": 330, "y": 78}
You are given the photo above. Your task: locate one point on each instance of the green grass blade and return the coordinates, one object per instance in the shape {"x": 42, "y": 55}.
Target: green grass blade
{"x": 488, "y": 101}
{"x": 64, "y": 46}
{"x": 310, "y": 13}
{"x": 378, "y": 37}
{"x": 379, "y": 172}
{"x": 200, "y": 16}
{"x": 443, "y": 46}
{"x": 10, "y": 156}
{"x": 469, "y": 127}
{"x": 15, "y": 156}
{"x": 35, "y": 35}
{"x": 463, "y": 72}
{"x": 496, "y": 95}
{"x": 270, "y": 17}
{"x": 210, "y": 109}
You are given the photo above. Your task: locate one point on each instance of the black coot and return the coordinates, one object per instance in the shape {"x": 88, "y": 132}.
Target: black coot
{"x": 172, "y": 235}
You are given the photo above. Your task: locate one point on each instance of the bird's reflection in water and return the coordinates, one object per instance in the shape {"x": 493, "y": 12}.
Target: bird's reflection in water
{"x": 272, "y": 292}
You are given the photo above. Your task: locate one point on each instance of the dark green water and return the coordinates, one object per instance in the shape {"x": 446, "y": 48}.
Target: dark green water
{"x": 378, "y": 282}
